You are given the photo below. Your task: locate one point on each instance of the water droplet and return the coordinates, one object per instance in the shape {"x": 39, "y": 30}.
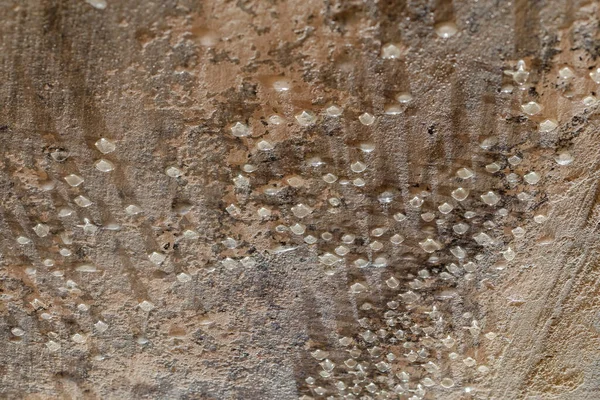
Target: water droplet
{"x": 490, "y": 198}
{"x": 74, "y": 180}
{"x": 157, "y": 258}
{"x": 173, "y": 172}
{"x": 564, "y": 158}
{"x": 101, "y": 326}
{"x": 105, "y": 146}
{"x": 404, "y": 97}
{"x": 566, "y": 73}
{"x": 41, "y": 230}
{"x": 445, "y": 208}
{"x": 132, "y": 210}
{"x": 532, "y": 178}
{"x": 306, "y": 118}
{"x": 465, "y": 173}
{"x": 595, "y": 75}
{"x": 399, "y": 217}
{"x": 548, "y": 125}
{"x": 78, "y": 338}
{"x": 104, "y": 165}
{"x": 97, "y": 4}
{"x": 366, "y": 119}
{"x": 446, "y": 29}
{"x": 357, "y": 288}
{"x": 264, "y": 145}
{"x": 397, "y": 239}
{"x": 146, "y": 306}
{"x": 460, "y": 228}
{"x": 301, "y": 210}
{"x": 82, "y": 201}
{"x": 460, "y": 194}
{"x": 531, "y": 108}
{"x": 298, "y": 229}
{"x": 390, "y": 51}
{"x": 358, "y": 167}
{"x": 334, "y": 111}
{"x": 240, "y": 130}
{"x": 430, "y": 245}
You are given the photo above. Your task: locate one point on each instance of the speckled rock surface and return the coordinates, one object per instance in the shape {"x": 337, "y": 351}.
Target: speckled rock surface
{"x": 287, "y": 202}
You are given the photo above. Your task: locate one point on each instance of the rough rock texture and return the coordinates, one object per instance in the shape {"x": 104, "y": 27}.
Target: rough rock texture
{"x": 184, "y": 296}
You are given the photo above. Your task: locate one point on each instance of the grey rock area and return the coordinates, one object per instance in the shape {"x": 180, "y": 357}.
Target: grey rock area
{"x": 299, "y": 200}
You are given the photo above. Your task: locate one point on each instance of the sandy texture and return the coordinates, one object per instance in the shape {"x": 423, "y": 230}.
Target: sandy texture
{"x": 203, "y": 290}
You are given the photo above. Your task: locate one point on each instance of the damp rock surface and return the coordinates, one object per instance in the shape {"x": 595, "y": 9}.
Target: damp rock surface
{"x": 299, "y": 200}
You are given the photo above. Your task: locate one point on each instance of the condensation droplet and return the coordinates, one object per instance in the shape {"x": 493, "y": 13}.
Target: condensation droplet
{"x": 366, "y": 119}
{"x": 74, "y": 180}
{"x": 240, "y": 130}
{"x": 531, "y": 108}
{"x": 460, "y": 194}
{"x": 446, "y": 30}
{"x": 564, "y": 158}
{"x": 390, "y": 50}
{"x": 97, "y": 4}
{"x": 532, "y": 178}
{"x": 306, "y": 118}
{"x": 548, "y": 125}
{"x": 105, "y": 146}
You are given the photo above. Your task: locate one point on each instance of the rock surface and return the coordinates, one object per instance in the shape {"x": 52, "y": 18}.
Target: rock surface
{"x": 282, "y": 200}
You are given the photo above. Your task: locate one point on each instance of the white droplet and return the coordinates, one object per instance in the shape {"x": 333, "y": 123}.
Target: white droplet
{"x": 146, "y": 306}
{"x": 460, "y": 194}
{"x": 397, "y": 239}
{"x": 566, "y": 73}
{"x": 240, "y": 130}
{"x": 509, "y": 254}
{"x": 78, "y": 338}
{"x": 366, "y": 119}
{"x": 101, "y": 326}
{"x": 132, "y": 210}
{"x": 531, "y": 108}
{"x": 74, "y": 180}
{"x": 82, "y": 201}
{"x": 276, "y": 119}
{"x": 390, "y": 50}
{"x": 532, "y": 178}
{"x": 264, "y": 145}
{"x": 595, "y": 75}
{"x": 358, "y": 166}
{"x": 493, "y": 167}
{"x": 399, "y": 217}
{"x": 430, "y": 245}
{"x": 105, "y": 146}
{"x": 416, "y": 202}
{"x": 460, "y": 228}
{"x": 392, "y": 109}
{"x": 490, "y": 198}
{"x": 17, "y": 331}
{"x": 298, "y": 229}
{"x": 518, "y": 232}
{"x": 333, "y": 111}
{"x": 564, "y": 158}
{"x": 173, "y": 172}
{"x": 445, "y": 208}
{"x": 465, "y": 173}
{"x": 282, "y": 85}
{"x": 589, "y": 100}
{"x": 357, "y": 288}
{"x": 98, "y": 4}
{"x": 404, "y": 97}
{"x": 301, "y": 210}
{"x": 446, "y": 29}
{"x": 52, "y": 345}
{"x": 548, "y": 125}
{"x": 157, "y": 258}
{"x": 104, "y": 165}
{"x": 183, "y": 277}
{"x": 41, "y": 230}
{"x": 306, "y": 118}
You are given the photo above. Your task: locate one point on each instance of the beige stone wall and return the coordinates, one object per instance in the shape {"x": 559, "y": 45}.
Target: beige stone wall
{"x": 280, "y": 200}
